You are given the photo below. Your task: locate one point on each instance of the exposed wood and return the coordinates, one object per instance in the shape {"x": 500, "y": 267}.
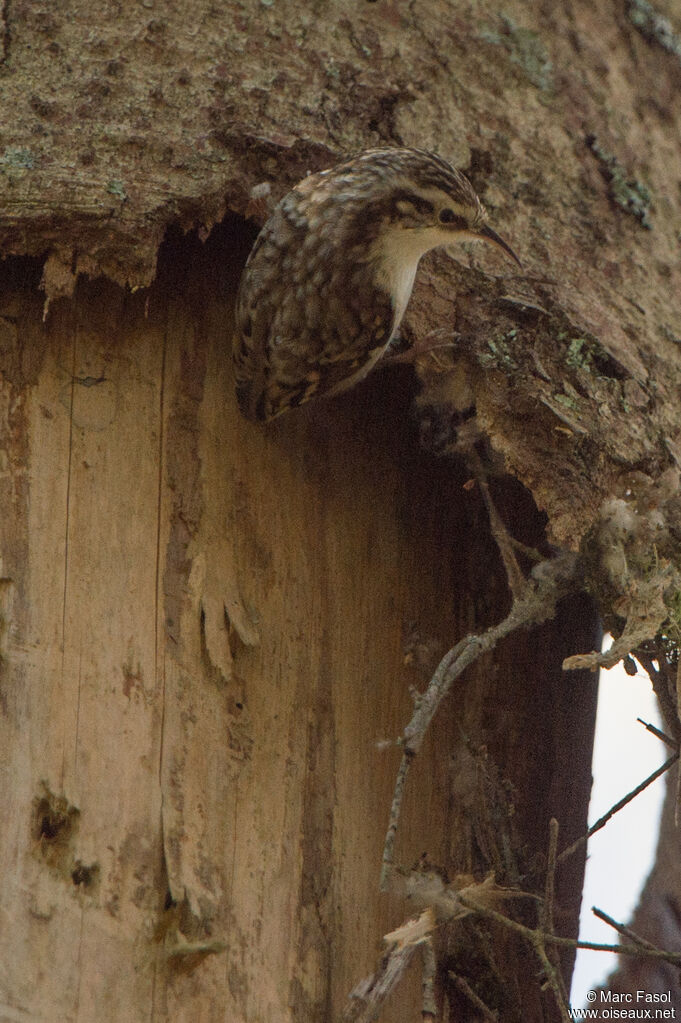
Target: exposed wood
{"x": 121, "y": 122}
{"x": 208, "y": 631}
{"x": 204, "y": 657}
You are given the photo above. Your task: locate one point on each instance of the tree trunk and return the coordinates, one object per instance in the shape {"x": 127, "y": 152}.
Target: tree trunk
{"x": 206, "y": 626}
{"x": 211, "y": 631}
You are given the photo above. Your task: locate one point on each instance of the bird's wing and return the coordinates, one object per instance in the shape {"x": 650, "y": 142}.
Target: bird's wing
{"x": 249, "y": 357}
{"x": 264, "y": 393}
{"x": 314, "y": 336}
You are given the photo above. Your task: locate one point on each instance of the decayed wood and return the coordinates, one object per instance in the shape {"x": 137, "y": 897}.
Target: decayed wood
{"x": 202, "y": 624}
{"x": 203, "y": 657}
{"x": 566, "y": 118}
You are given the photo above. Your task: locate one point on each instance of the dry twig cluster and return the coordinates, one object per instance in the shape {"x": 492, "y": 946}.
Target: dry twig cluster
{"x": 643, "y": 602}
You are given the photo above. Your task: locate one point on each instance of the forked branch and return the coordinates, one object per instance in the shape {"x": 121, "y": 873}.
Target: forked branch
{"x": 549, "y": 581}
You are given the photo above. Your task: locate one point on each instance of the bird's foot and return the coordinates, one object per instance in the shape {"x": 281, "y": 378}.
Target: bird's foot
{"x": 427, "y": 345}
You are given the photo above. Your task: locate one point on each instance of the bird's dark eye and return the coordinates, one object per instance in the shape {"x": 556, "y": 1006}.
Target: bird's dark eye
{"x": 448, "y": 216}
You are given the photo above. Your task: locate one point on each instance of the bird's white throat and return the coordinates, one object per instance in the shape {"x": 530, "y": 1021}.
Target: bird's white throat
{"x": 397, "y": 256}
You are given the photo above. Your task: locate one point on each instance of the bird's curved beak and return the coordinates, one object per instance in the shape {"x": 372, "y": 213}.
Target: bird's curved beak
{"x": 488, "y": 235}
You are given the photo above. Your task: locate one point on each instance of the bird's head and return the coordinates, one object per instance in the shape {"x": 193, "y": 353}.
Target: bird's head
{"x": 419, "y": 201}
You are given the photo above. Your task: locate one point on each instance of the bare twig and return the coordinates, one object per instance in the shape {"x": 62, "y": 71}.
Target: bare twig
{"x": 429, "y": 1005}
{"x": 667, "y": 692}
{"x": 553, "y": 939}
{"x": 478, "y": 899}
{"x": 602, "y": 821}
{"x": 645, "y": 613}
{"x": 548, "y": 582}
{"x": 516, "y": 579}
{"x": 416, "y": 929}
{"x": 464, "y": 987}
{"x": 636, "y": 951}
{"x": 531, "y": 553}
{"x": 550, "y": 886}
{"x": 666, "y": 675}
{"x": 660, "y": 735}
{"x": 621, "y": 928}
{"x": 366, "y": 998}
{"x": 553, "y": 976}
{"x": 389, "y": 846}
{"x": 662, "y": 684}
{"x": 550, "y": 961}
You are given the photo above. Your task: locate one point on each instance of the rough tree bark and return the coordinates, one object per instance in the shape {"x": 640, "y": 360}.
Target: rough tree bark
{"x": 210, "y": 631}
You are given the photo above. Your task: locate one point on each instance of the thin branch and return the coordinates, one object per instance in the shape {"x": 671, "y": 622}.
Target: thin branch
{"x": 621, "y": 928}
{"x": 550, "y": 885}
{"x": 550, "y": 961}
{"x": 637, "y": 951}
{"x": 602, "y": 821}
{"x": 531, "y": 553}
{"x": 555, "y": 977}
{"x": 464, "y": 987}
{"x": 645, "y": 613}
{"x": 429, "y": 1005}
{"x": 448, "y": 903}
{"x": 668, "y": 679}
{"x": 662, "y": 687}
{"x": 667, "y": 692}
{"x": 445, "y": 903}
{"x": 660, "y": 735}
{"x": 395, "y": 808}
{"x": 516, "y": 580}
{"x": 548, "y": 583}
{"x": 366, "y": 998}
{"x": 553, "y": 939}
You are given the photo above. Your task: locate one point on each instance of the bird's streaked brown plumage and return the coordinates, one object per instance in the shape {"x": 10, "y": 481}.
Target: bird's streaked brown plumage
{"x": 329, "y": 277}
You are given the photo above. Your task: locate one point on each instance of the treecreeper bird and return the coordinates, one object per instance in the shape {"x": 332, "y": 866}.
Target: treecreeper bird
{"x": 329, "y": 277}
